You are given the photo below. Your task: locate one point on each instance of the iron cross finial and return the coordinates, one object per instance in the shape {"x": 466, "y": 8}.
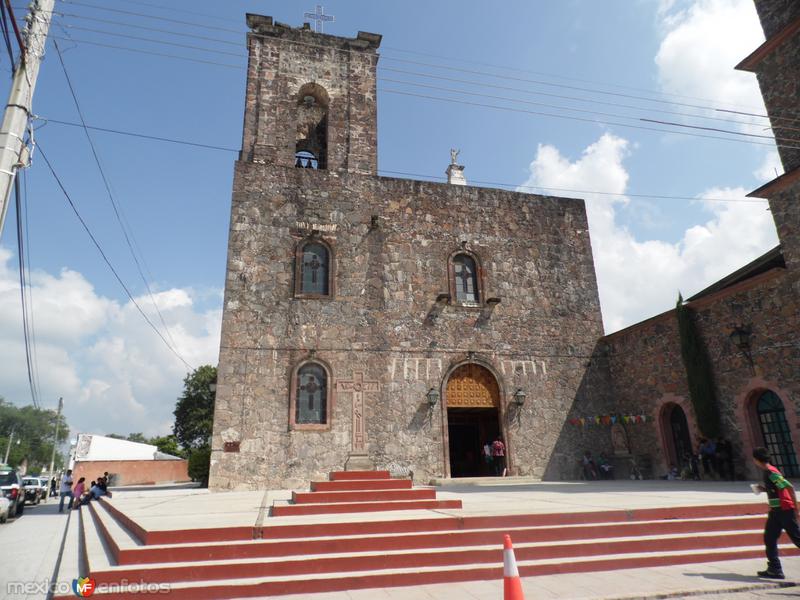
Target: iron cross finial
{"x": 319, "y": 17}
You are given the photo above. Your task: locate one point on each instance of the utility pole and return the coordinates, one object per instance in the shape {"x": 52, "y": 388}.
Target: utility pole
{"x": 55, "y": 438}
{"x": 13, "y": 150}
{"x": 8, "y": 447}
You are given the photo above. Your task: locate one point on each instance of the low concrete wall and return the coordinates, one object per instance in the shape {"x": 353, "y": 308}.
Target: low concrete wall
{"x": 132, "y": 472}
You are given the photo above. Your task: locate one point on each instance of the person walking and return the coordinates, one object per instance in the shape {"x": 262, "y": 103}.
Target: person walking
{"x": 65, "y": 490}
{"x": 499, "y": 457}
{"x": 782, "y": 512}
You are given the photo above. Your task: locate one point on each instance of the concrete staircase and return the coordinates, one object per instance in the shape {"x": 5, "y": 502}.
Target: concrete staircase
{"x": 361, "y": 491}
{"x": 403, "y": 549}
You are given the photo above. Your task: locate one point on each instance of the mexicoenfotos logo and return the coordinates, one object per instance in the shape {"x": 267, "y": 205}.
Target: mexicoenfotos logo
{"x": 83, "y": 586}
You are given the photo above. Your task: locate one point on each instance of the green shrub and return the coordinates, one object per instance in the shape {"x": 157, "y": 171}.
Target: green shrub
{"x": 199, "y": 463}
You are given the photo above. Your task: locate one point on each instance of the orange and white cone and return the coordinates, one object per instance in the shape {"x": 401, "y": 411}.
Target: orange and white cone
{"x": 512, "y": 586}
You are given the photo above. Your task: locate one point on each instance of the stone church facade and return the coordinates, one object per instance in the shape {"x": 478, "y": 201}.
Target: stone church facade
{"x": 379, "y": 322}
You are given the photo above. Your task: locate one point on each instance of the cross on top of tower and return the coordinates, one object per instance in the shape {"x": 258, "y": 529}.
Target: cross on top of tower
{"x": 319, "y": 17}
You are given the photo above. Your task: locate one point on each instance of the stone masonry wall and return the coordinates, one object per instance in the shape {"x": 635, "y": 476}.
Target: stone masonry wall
{"x": 648, "y": 372}
{"x": 776, "y": 14}
{"x": 392, "y": 239}
{"x": 281, "y": 61}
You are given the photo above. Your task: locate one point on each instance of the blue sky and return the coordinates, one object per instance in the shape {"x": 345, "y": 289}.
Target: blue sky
{"x": 115, "y": 373}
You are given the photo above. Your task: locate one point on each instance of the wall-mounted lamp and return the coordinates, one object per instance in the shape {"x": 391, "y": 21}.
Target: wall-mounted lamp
{"x": 741, "y": 336}
{"x": 433, "y": 397}
{"x": 519, "y": 397}
{"x": 212, "y": 387}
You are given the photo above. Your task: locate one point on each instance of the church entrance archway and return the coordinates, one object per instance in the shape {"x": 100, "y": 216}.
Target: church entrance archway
{"x": 679, "y": 443}
{"x": 775, "y": 433}
{"x": 473, "y": 419}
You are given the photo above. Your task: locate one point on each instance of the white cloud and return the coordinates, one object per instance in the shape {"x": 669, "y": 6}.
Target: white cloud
{"x": 113, "y": 371}
{"x": 702, "y": 44}
{"x": 637, "y": 278}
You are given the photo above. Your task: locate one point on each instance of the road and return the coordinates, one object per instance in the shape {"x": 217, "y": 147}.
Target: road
{"x": 30, "y": 547}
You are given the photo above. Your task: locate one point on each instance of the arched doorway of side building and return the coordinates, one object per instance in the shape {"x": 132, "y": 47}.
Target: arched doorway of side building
{"x": 473, "y": 418}
{"x": 775, "y": 434}
{"x": 676, "y": 435}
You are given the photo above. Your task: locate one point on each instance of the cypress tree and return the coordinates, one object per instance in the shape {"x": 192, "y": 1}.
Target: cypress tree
{"x": 699, "y": 374}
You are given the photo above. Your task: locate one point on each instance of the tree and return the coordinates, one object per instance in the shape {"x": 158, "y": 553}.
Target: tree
{"x": 168, "y": 444}
{"x": 194, "y": 412}
{"x": 34, "y": 429}
{"x": 699, "y": 372}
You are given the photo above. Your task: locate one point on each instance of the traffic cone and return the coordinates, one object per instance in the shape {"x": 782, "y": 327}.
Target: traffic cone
{"x": 512, "y": 586}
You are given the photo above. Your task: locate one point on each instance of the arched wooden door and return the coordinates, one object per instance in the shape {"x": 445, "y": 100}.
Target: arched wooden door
{"x": 473, "y": 418}
{"x": 681, "y": 442}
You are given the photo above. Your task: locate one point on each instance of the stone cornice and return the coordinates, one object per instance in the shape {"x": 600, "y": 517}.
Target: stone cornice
{"x": 751, "y": 62}
{"x": 777, "y": 185}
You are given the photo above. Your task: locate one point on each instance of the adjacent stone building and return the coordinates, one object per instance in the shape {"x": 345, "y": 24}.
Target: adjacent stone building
{"x": 749, "y": 321}
{"x": 379, "y": 322}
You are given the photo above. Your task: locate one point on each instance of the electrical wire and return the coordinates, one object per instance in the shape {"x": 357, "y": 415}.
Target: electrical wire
{"x": 23, "y": 283}
{"x": 409, "y": 174}
{"x": 31, "y": 320}
{"x": 538, "y": 113}
{"x": 572, "y": 118}
{"x": 538, "y": 82}
{"x": 386, "y": 57}
{"x": 106, "y": 259}
{"x": 115, "y": 205}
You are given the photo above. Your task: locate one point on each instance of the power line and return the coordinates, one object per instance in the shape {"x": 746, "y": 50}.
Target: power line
{"x": 591, "y": 90}
{"x": 576, "y": 191}
{"x": 143, "y": 136}
{"x": 538, "y": 113}
{"x": 106, "y": 259}
{"x": 114, "y": 204}
{"x": 146, "y": 16}
{"x": 418, "y": 74}
{"x": 585, "y": 111}
{"x": 572, "y": 118}
{"x": 23, "y": 282}
{"x": 32, "y": 321}
{"x": 435, "y": 177}
{"x": 445, "y": 67}
{"x": 145, "y": 28}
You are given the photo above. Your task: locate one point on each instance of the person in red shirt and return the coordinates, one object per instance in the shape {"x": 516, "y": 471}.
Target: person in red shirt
{"x": 499, "y": 456}
{"x": 783, "y": 512}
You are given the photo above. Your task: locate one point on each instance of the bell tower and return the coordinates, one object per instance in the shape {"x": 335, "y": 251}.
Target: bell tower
{"x": 311, "y": 99}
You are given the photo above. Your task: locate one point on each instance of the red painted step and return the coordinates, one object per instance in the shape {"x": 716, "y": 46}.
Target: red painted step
{"x": 425, "y": 539}
{"x": 310, "y": 585}
{"x": 362, "y": 496}
{"x": 350, "y": 475}
{"x": 361, "y": 484}
{"x": 298, "y": 565}
{"x": 355, "y": 507}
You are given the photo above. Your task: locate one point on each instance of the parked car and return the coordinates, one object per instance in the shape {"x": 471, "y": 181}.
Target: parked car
{"x": 11, "y": 489}
{"x": 4, "y": 504}
{"x": 34, "y": 492}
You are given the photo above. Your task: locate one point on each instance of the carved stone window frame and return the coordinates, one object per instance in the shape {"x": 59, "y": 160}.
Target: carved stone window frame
{"x": 331, "y": 385}
{"x": 298, "y": 268}
{"x": 479, "y": 275}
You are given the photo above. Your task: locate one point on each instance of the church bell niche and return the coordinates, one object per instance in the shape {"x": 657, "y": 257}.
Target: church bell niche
{"x": 311, "y": 138}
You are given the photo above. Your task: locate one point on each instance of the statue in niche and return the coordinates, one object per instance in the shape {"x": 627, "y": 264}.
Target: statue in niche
{"x": 619, "y": 440}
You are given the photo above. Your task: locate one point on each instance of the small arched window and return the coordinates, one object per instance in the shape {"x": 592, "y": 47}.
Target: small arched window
{"x": 465, "y": 284}
{"x": 313, "y": 269}
{"x": 311, "y": 395}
